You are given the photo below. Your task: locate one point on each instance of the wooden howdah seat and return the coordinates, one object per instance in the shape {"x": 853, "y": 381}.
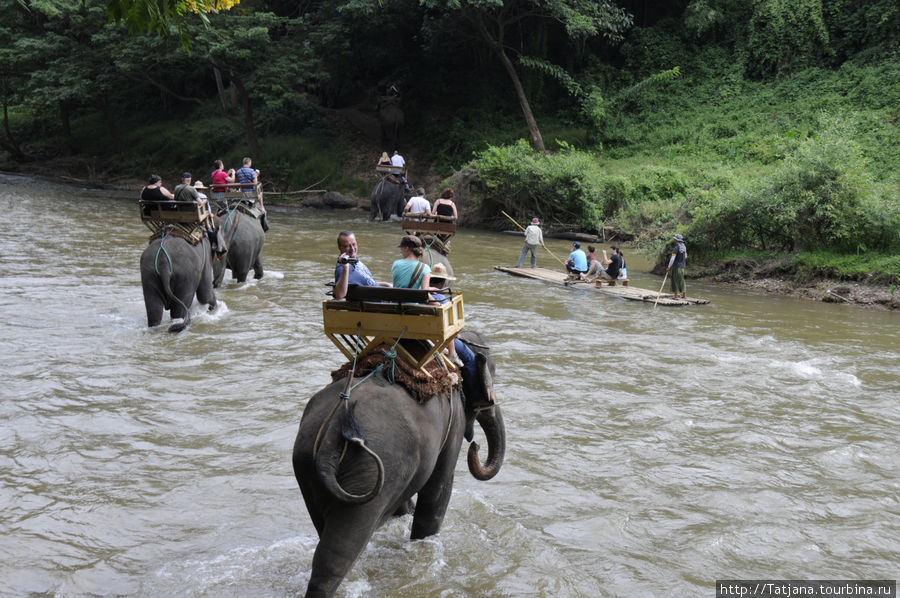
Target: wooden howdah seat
{"x": 386, "y": 169}
{"x": 372, "y": 316}
{"x": 186, "y": 216}
{"x": 229, "y": 194}
{"x": 428, "y": 225}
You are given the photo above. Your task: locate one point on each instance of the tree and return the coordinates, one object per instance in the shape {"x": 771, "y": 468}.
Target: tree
{"x": 235, "y": 64}
{"x": 494, "y": 19}
{"x": 161, "y": 16}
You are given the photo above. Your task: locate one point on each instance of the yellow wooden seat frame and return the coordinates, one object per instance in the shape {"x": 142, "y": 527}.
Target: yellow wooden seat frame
{"x": 428, "y": 225}
{"x": 360, "y": 325}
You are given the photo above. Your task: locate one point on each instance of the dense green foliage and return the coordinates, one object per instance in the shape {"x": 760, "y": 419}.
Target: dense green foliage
{"x": 770, "y": 125}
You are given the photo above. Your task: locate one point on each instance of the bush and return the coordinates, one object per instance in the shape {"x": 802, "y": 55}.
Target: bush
{"x": 819, "y": 197}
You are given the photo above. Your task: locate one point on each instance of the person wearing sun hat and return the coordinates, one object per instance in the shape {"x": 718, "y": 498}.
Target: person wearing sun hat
{"x": 458, "y": 351}
{"x": 677, "y": 261}
{"x": 533, "y": 238}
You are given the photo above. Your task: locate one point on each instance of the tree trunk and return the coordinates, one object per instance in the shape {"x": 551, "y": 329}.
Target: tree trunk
{"x": 537, "y": 142}
{"x": 7, "y": 141}
{"x": 111, "y": 125}
{"x": 66, "y": 126}
{"x": 249, "y": 126}
{"x": 220, "y": 87}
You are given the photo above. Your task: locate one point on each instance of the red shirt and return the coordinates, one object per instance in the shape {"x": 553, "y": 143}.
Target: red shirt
{"x": 219, "y": 180}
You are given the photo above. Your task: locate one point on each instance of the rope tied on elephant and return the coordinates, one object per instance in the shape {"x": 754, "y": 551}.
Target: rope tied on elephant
{"x": 192, "y": 233}
{"x": 407, "y": 375}
{"x": 162, "y": 249}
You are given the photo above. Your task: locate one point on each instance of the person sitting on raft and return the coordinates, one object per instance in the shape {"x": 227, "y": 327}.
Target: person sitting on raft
{"x": 613, "y": 264}
{"x": 576, "y": 265}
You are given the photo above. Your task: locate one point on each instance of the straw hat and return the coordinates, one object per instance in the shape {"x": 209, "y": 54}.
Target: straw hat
{"x": 440, "y": 271}
{"x": 199, "y": 185}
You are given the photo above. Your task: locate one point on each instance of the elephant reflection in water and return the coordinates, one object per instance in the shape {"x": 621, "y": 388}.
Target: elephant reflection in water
{"x": 401, "y": 448}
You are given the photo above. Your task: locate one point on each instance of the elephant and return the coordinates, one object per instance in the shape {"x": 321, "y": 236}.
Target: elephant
{"x": 172, "y": 271}
{"x": 244, "y": 239}
{"x": 390, "y": 119}
{"x": 388, "y": 198}
{"x": 400, "y": 448}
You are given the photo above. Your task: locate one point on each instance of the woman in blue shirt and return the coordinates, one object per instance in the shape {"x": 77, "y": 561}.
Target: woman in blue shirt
{"x": 408, "y": 272}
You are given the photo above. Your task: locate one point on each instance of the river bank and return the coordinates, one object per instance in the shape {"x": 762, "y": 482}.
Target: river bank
{"x": 757, "y": 275}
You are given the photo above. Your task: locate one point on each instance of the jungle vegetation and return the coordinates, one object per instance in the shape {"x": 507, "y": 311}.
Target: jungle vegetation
{"x": 764, "y": 128}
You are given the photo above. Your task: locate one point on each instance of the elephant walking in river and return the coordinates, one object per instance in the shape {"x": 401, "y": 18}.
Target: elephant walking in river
{"x": 390, "y": 121}
{"x": 172, "y": 272}
{"x": 387, "y": 198}
{"x": 244, "y": 239}
{"x": 403, "y": 448}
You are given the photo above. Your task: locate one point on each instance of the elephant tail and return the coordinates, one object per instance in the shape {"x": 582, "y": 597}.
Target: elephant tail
{"x": 328, "y": 457}
{"x": 165, "y": 280}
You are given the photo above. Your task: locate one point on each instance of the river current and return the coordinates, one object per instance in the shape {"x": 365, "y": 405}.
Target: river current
{"x": 650, "y": 451}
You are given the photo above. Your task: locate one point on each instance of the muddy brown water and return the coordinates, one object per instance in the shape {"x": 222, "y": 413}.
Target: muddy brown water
{"x": 650, "y": 452}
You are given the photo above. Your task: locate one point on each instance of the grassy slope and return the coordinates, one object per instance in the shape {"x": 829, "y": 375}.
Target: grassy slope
{"x": 714, "y": 132}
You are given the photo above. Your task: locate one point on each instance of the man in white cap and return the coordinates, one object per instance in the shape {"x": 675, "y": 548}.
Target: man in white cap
{"x": 533, "y": 238}
{"x": 676, "y": 265}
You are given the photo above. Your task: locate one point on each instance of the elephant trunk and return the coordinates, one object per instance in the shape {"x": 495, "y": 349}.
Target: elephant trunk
{"x": 491, "y": 422}
{"x": 333, "y": 450}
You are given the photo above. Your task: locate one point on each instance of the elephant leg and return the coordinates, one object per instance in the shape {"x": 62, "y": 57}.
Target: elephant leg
{"x": 257, "y": 268}
{"x": 206, "y": 294}
{"x": 434, "y": 497}
{"x": 343, "y": 539}
{"x": 153, "y": 303}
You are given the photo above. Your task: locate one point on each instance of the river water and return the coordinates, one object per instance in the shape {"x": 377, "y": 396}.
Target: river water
{"x": 650, "y": 452}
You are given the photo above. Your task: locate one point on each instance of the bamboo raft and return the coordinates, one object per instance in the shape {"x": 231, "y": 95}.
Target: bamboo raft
{"x": 620, "y": 290}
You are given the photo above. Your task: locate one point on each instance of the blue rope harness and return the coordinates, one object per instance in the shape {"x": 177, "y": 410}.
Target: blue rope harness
{"x": 162, "y": 249}
{"x": 379, "y": 370}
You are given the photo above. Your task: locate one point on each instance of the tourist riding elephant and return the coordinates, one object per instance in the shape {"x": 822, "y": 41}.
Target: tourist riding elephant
{"x": 244, "y": 238}
{"x": 390, "y": 119}
{"x": 399, "y": 448}
{"x": 387, "y": 198}
{"x": 172, "y": 272}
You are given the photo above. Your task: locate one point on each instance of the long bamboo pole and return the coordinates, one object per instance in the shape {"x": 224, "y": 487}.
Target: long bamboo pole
{"x": 660, "y": 289}
{"x": 542, "y": 242}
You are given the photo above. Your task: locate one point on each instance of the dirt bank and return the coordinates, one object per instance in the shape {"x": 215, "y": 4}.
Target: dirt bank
{"x": 781, "y": 277}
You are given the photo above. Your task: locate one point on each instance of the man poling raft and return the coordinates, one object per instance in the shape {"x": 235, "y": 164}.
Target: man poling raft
{"x": 540, "y": 240}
